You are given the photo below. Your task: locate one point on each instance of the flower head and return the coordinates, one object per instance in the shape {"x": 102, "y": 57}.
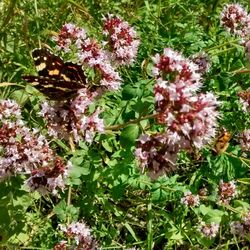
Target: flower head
{"x": 73, "y": 118}
{"x": 80, "y": 232}
{"x": 190, "y": 199}
{"x": 91, "y": 54}
{"x": 190, "y": 119}
{"x": 122, "y": 40}
{"x": 186, "y": 116}
{"x": 62, "y": 245}
{"x": 236, "y": 20}
{"x": 28, "y": 152}
{"x": 48, "y": 179}
{"x": 227, "y": 191}
{"x": 245, "y": 100}
{"x": 244, "y": 139}
{"x": 209, "y": 230}
{"x": 177, "y": 68}
{"x": 9, "y": 108}
{"x": 69, "y": 33}
{"x": 87, "y": 126}
{"x": 156, "y": 155}
{"x": 22, "y": 149}
{"x": 242, "y": 227}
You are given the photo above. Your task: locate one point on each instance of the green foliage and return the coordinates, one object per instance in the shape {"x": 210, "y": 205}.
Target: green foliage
{"x": 105, "y": 188}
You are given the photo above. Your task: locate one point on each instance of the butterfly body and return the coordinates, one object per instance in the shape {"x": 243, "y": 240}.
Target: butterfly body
{"x": 222, "y": 142}
{"x": 57, "y": 79}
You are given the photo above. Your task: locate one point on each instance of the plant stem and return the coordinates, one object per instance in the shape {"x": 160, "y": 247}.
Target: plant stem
{"x": 37, "y": 24}
{"x": 223, "y": 45}
{"x": 242, "y": 71}
{"x": 149, "y": 227}
{"x": 72, "y": 146}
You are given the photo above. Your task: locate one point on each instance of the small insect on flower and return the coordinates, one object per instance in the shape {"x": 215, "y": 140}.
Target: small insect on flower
{"x": 202, "y": 60}
{"x": 245, "y": 95}
{"x": 222, "y": 141}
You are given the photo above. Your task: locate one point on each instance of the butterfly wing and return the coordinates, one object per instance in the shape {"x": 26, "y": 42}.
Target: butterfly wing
{"x": 222, "y": 142}
{"x": 47, "y": 64}
{"x": 56, "y": 79}
{"x": 54, "y": 89}
{"x": 72, "y": 71}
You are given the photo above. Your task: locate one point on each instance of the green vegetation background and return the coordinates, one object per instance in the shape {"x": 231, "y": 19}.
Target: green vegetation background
{"x": 123, "y": 208}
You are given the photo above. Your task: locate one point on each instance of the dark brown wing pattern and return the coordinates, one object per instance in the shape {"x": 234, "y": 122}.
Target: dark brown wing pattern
{"x": 56, "y": 79}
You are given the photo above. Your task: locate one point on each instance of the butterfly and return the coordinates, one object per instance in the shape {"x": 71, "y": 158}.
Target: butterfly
{"x": 245, "y": 95}
{"x": 57, "y": 79}
{"x": 222, "y": 142}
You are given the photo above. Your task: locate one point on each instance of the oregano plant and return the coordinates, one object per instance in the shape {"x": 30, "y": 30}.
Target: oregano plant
{"x": 133, "y": 131}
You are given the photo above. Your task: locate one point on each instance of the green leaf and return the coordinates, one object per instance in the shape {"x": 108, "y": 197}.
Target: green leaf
{"x": 159, "y": 195}
{"x": 211, "y": 215}
{"x": 63, "y": 211}
{"x": 107, "y": 146}
{"x": 129, "y": 135}
{"x": 60, "y": 209}
{"x": 143, "y": 106}
{"x": 20, "y": 96}
{"x": 241, "y": 205}
{"x": 117, "y": 191}
{"x": 130, "y": 229}
{"x": 77, "y": 160}
{"x": 129, "y": 92}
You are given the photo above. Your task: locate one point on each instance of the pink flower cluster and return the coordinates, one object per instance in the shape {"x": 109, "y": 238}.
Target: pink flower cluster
{"x": 69, "y": 33}
{"x": 209, "y": 230}
{"x": 49, "y": 179}
{"x": 245, "y": 100}
{"x": 123, "y": 43}
{"x": 190, "y": 199}
{"x": 122, "y": 40}
{"x": 68, "y": 119}
{"x": 8, "y": 109}
{"x": 244, "y": 139}
{"x": 190, "y": 118}
{"x": 73, "y": 117}
{"x": 155, "y": 154}
{"x": 23, "y": 150}
{"x": 227, "y": 191}
{"x": 242, "y": 227}
{"x": 178, "y": 69}
{"x": 91, "y": 54}
{"x": 80, "y": 233}
{"x": 236, "y": 20}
